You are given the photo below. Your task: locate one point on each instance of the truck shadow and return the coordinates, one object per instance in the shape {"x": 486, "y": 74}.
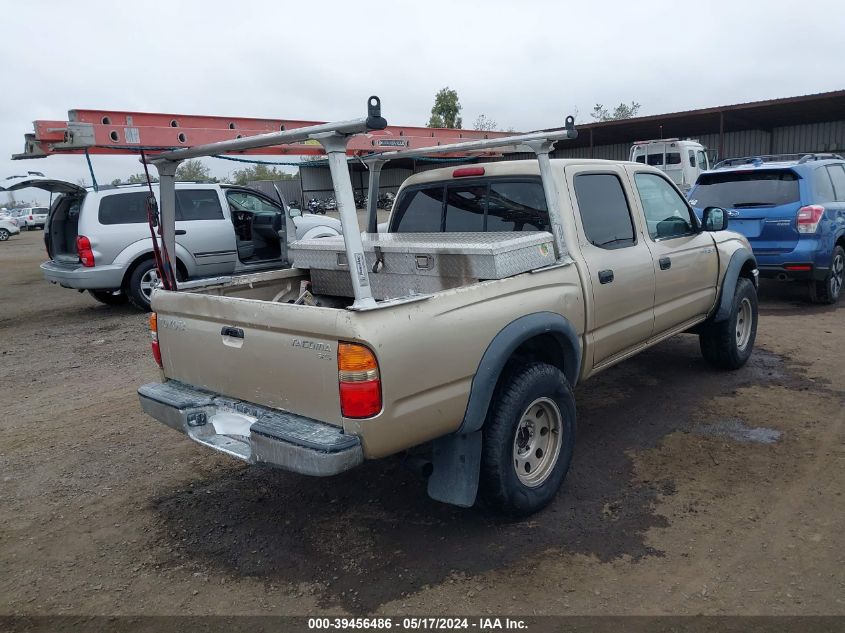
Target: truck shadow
{"x": 372, "y": 535}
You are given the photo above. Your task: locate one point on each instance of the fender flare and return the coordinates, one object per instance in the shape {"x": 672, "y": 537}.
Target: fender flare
{"x": 503, "y": 345}
{"x": 457, "y": 457}
{"x": 739, "y": 258}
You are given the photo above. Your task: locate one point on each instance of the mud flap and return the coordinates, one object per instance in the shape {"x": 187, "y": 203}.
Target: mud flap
{"x": 457, "y": 465}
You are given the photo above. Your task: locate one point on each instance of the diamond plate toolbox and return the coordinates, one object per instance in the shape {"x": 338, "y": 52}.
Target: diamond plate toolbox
{"x": 423, "y": 262}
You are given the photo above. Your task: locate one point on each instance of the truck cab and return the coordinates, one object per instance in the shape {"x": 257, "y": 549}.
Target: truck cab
{"x": 681, "y": 160}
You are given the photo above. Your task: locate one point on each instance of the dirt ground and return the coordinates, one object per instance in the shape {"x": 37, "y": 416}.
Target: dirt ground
{"x": 691, "y": 491}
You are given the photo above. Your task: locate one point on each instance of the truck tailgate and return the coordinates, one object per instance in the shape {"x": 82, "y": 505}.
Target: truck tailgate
{"x": 273, "y": 354}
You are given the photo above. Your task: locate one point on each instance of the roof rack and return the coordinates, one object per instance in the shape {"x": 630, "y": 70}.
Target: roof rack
{"x": 771, "y": 158}
{"x": 541, "y": 143}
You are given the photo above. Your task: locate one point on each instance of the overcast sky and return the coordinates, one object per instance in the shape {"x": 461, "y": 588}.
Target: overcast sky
{"x": 524, "y": 64}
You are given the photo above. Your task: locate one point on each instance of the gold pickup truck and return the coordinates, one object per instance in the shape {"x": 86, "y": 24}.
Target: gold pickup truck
{"x": 490, "y": 302}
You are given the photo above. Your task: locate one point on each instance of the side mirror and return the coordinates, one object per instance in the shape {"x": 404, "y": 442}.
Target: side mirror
{"x": 714, "y": 219}
{"x": 294, "y": 212}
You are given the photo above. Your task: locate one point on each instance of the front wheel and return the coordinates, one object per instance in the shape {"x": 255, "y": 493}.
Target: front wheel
{"x": 528, "y": 440}
{"x": 728, "y": 344}
{"x": 828, "y": 289}
{"x": 4, "y": 235}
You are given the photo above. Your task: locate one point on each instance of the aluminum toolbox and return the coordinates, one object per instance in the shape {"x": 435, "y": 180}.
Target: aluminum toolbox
{"x": 423, "y": 262}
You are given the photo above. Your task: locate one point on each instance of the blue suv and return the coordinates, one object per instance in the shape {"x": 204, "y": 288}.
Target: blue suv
{"x": 791, "y": 209}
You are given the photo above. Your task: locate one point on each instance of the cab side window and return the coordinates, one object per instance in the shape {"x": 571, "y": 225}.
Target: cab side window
{"x": 604, "y": 210}
{"x": 702, "y": 159}
{"x": 666, "y": 212}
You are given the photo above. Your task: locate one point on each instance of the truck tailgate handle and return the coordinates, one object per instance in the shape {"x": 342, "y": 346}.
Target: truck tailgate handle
{"x": 234, "y": 332}
{"x": 605, "y": 276}
{"x": 665, "y": 263}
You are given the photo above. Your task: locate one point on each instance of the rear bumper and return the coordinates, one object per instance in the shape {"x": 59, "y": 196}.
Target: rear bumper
{"x": 254, "y": 434}
{"x": 809, "y": 251}
{"x": 77, "y": 276}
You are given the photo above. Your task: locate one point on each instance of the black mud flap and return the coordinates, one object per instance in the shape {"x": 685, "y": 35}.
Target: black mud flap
{"x": 457, "y": 465}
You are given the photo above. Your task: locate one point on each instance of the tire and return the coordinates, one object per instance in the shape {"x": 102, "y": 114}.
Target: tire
{"x": 110, "y": 298}
{"x": 827, "y": 290}
{"x": 137, "y": 288}
{"x": 729, "y": 343}
{"x": 517, "y": 478}
{"x": 4, "y": 235}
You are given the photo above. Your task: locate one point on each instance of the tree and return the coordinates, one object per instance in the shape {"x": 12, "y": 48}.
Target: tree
{"x": 622, "y": 111}
{"x": 137, "y": 179}
{"x": 484, "y": 124}
{"x": 446, "y": 110}
{"x": 193, "y": 171}
{"x": 259, "y": 171}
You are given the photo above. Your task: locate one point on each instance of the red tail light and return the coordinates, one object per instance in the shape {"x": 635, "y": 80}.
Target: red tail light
{"x": 809, "y": 218}
{"x": 463, "y": 172}
{"x": 359, "y": 380}
{"x": 83, "y": 249}
{"x": 154, "y": 335}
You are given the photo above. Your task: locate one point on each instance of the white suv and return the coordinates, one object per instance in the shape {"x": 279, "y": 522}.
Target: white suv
{"x": 34, "y": 217}
{"x": 100, "y": 241}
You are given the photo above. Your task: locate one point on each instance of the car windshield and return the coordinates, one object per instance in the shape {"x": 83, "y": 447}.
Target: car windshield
{"x": 769, "y": 187}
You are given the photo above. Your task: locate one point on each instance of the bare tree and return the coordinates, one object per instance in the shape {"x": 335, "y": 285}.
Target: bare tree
{"x": 485, "y": 124}
{"x": 622, "y": 111}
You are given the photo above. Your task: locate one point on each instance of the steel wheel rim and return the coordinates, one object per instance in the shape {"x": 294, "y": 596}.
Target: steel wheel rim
{"x": 149, "y": 281}
{"x": 837, "y": 272}
{"x": 537, "y": 442}
{"x": 743, "y": 324}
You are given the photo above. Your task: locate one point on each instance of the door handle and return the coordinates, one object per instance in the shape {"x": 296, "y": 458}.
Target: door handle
{"x": 665, "y": 263}
{"x": 234, "y": 332}
{"x": 605, "y": 276}
{"x": 181, "y": 232}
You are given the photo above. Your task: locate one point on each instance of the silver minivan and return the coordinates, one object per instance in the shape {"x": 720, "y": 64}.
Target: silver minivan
{"x": 100, "y": 241}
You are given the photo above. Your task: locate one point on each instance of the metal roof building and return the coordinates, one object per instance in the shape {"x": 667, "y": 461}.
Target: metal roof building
{"x": 809, "y": 123}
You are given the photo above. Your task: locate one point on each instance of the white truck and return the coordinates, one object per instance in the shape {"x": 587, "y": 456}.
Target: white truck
{"x": 681, "y": 160}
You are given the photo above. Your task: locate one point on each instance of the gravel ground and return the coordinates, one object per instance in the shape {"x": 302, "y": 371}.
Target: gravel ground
{"x": 691, "y": 491}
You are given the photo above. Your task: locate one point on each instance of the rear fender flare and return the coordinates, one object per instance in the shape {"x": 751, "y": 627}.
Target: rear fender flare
{"x": 457, "y": 457}
{"x": 739, "y": 259}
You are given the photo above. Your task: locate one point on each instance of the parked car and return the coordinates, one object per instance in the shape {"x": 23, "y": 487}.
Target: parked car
{"x": 791, "y": 209}
{"x": 100, "y": 241}
{"x": 34, "y": 217}
{"x": 8, "y": 228}
{"x": 484, "y": 316}
{"x": 681, "y": 160}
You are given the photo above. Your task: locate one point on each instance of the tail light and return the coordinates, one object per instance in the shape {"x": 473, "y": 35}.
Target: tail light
{"x": 809, "y": 218}
{"x": 359, "y": 380}
{"x": 154, "y": 335}
{"x": 30, "y": 217}
{"x": 83, "y": 248}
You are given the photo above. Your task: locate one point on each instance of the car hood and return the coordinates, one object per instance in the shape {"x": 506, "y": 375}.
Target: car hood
{"x": 13, "y": 183}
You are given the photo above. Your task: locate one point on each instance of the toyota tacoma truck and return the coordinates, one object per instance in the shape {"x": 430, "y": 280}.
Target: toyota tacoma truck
{"x": 497, "y": 288}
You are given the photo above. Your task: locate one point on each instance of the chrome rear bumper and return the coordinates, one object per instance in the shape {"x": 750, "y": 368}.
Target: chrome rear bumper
{"x": 254, "y": 434}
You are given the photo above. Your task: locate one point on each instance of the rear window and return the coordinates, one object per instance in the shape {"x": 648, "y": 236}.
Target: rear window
{"x": 738, "y": 189}
{"x": 673, "y": 158}
{"x": 40, "y": 210}
{"x": 655, "y": 159}
{"x": 489, "y": 205}
{"x": 131, "y": 208}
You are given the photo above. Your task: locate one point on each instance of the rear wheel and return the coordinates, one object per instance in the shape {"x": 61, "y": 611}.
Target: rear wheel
{"x": 142, "y": 281}
{"x": 728, "y": 344}
{"x": 529, "y": 437}
{"x": 4, "y": 235}
{"x": 828, "y": 289}
{"x": 109, "y": 297}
